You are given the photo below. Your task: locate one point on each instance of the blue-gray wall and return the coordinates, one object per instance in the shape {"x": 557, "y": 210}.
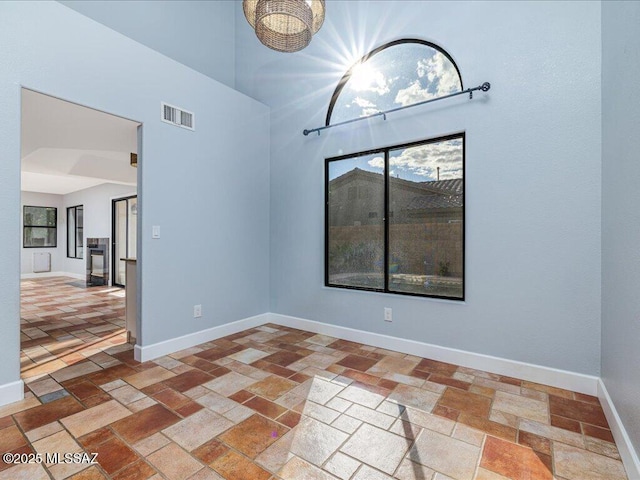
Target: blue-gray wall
{"x": 208, "y": 189}
{"x": 532, "y": 170}
{"x": 621, "y": 210}
{"x": 199, "y": 34}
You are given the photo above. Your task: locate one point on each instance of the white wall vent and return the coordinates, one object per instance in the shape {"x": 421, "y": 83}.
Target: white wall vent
{"x": 41, "y": 262}
{"x": 177, "y": 116}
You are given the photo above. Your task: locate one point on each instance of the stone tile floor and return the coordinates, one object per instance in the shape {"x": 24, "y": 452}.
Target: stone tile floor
{"x": 278, "y": 403}
{"x": 63, "y": 324}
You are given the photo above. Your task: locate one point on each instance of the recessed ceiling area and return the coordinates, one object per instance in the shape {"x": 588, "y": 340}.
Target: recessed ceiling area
{"x": 67, "y": 147}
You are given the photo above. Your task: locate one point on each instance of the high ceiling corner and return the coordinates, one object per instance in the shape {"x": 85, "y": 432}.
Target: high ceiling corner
{"x": 198, "y": 34}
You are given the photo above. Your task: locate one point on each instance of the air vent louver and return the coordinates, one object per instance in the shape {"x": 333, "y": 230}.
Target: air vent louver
{"x": 177, "y": 116}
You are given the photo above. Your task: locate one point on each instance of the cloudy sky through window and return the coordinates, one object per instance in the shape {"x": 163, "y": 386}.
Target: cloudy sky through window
{"x": 416, "y": 164}
{"x": 400, "y": 75}
{"x": 421, "y": 163}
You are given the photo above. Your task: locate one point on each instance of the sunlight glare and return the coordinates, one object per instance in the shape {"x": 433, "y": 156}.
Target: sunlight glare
{"x": 362, "y": 77}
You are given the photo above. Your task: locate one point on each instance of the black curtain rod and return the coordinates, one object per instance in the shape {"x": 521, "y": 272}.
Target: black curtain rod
{"x": 484, "y": 87}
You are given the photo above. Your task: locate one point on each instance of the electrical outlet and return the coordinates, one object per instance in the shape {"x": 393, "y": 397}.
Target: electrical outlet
{"x": 197, "y": 311}
{"x": 388, "y": 315}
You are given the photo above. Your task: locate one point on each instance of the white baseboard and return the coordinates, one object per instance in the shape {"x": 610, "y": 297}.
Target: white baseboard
{"x": 26, "y": 276}
{"x": 576, "y": 382}
{"x": 150, "y": 352}
{"x": 623, "y": 442}
{"x": 11, "y": 392}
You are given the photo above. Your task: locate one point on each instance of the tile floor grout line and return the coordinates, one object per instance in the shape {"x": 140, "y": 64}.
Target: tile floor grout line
{"x": 407, "y": 453}
{"x": 479, "y": 461}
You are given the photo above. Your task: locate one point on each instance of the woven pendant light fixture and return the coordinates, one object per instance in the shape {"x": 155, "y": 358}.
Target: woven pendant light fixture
{"x": 284, "y": 25}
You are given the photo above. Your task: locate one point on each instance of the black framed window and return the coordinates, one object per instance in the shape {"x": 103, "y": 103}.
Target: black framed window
{"x": 39, "y": 226}
{"x": 394, "y": 219}
{"x": 75, "y": 242}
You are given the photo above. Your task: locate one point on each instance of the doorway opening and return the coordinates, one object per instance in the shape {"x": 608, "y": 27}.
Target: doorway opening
{"x": 74, "y": 161}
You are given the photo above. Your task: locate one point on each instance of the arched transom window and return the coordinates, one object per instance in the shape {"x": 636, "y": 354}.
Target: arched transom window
{"x": 400, "y": 73}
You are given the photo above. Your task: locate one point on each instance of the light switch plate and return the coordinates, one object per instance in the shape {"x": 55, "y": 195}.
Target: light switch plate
{"x": 155, "y": 231}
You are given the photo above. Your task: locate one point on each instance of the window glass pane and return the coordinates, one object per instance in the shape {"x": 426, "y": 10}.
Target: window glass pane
{"x": 121, "y": 241}
{"x": 52, "y": 237}
{"x": 40, "y": 237}
{"x": 132, "y": 227}
{"x": 31, "y": 215}
{"x": 356, "y": 222}
{"x": 27, "y": 234}
{"x": 33, "y": 219}
{"x": 399, "y": 75}
{"x": 426, "y": 200}
{"x": 40, "y": 216}
{"x": 79, "y": 231}
{"x": 75, "y": 232}
{"x": 71, "y": 232}
{"x": 50, "y": 217}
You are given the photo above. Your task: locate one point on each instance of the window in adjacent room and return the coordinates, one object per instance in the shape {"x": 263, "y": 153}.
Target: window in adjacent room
{"x": 40, "y": 227}
{"x": 406, "y": 235}
{"x": 75, "y": 245}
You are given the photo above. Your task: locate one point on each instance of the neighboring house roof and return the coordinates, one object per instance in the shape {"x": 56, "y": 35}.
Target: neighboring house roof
{"x": 446, "y": 194}
{"x": 434, "y": 201}
{"x": 352, "y": 175}
{"x": 429, "y": 195}
{"x": 453, "y": 186}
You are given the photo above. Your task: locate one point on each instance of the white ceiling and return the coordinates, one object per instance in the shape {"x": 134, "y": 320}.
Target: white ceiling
{"x": 67, "y": 147}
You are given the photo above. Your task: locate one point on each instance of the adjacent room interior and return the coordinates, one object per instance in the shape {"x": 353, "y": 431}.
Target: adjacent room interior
{"x": 379, "y": 240}
{"x": 78, "y": 212}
